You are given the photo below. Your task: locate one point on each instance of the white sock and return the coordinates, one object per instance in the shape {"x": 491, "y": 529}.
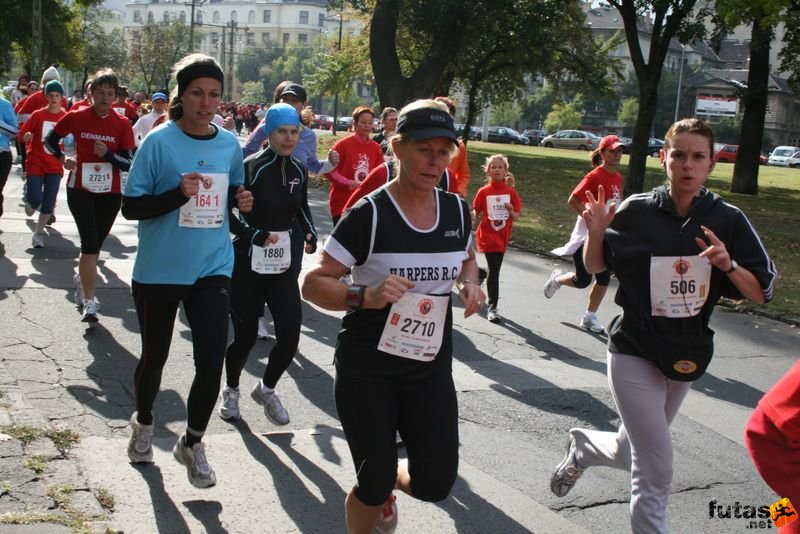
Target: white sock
{"x": 42, "y": 222}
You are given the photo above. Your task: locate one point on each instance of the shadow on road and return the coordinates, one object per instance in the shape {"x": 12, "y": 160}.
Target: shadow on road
{"x": 309, "y": 512}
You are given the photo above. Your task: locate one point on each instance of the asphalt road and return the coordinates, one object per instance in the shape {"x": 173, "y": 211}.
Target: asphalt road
{"x": 521, "y": 385}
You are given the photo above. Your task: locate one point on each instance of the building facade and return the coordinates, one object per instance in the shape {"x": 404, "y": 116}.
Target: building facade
{"x": 226, "y": 28}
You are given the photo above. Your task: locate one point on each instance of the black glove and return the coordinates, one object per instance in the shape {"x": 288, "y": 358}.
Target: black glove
{"x": 311, "y": 239}
{"x": 260, "y": 238}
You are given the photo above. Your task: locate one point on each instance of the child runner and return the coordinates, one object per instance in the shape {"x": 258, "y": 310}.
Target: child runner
{"x": 500, "y": 205}
{"x": 44, "y": 171}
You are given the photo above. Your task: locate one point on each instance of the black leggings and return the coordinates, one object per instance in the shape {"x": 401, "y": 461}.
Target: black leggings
{"x": 206, "y": 305}
{"x": 249, "y": 290}
{"x": 94, "y": 215}
{"x": 5, "y": 169}
{"x": 582, "y": 277}
{"x": 426, "y": 414}
{"x": 494, "y": 260}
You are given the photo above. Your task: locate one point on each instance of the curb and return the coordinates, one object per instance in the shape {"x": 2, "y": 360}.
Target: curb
{"x": 42, "y": 488}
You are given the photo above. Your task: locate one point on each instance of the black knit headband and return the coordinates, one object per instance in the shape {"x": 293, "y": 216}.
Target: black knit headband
{"x": 198, "y": 70}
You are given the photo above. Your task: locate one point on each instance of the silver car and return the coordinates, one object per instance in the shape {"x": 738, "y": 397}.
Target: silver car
{"x": 577, "y": 139}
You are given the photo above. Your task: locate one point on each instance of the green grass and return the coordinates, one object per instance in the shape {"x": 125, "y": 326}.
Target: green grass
{"x": 545, "y": 178}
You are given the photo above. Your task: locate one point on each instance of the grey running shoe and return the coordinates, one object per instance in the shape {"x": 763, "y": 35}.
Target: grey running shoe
{"x": 552, "y": 284}
{"x": 90, "y": 309}
{"x": 591, "y": 323}
{"x": 567, "y": 472}
{"x": 273, "y": 408}
{"x": 229, "y": 405}
{"x": 263, "y": 328}
{"x": 37, "y": 241}
{"x": 387, "y": 523}
{"x": 140, "y": 447}
{"x": 78, "y": 295}
{"x": 194, "y": 459}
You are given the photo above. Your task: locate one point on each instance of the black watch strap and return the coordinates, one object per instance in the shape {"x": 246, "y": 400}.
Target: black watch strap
{"x": 355, "y": 296}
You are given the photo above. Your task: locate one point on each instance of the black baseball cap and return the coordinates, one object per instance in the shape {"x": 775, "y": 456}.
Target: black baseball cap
{"x": 296, "y": 90}
{"x": 426, "y": 123}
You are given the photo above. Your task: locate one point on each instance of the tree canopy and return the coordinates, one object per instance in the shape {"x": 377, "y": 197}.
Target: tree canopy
{"x": 663, "y": 20}
{"x": 61, "y": 33}
{"x": 762, "y": 16}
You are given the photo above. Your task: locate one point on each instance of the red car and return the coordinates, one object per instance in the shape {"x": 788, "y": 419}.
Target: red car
{"x": 323, "y": 122}
{"x": 727, "y": 154}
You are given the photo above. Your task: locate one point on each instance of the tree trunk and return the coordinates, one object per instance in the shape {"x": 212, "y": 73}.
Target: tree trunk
{"x": 745, "y": 172}
{"x": 648, "y": 100}
{"x": 394, "y": 89}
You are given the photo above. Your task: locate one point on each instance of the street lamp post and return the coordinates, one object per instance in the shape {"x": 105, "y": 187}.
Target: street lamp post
{"x": 680, "y": 82}
{"x": 336, "y": 97}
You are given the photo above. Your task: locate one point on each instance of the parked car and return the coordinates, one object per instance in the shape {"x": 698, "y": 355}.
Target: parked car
{"x": 781, "y": 155}
{"x": 627, "y": 142}
{"x": 726, "y": 154}
{"x": 654, "y": 146}
{"x": 323, "y": 122}
{"x": 344, "y": 124}
{"x": 577, "y": 139}
{"x": 534, "y": 136}
{"x": 504, "y": 134}
{"x": 794, "y": 161}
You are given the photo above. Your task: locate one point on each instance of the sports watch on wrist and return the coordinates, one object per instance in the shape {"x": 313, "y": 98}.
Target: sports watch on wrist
{"x": 355, "y": 296}
{"x": 734, "y": 266}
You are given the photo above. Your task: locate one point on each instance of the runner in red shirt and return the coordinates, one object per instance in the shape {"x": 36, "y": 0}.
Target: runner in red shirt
{"x": 123, "y": 107}
{"x": 358, "y": 155}
{"x": 605, "y": 160}
{"x": 43, "y": 171}
{"x": 773, "y": 439}
{"x": 104, "y": 143}
{"x": 499, "y": 205}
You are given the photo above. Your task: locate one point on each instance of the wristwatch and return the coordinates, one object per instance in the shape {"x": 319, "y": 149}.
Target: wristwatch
{"x": 734, "y": 266}
{"x": 355, "y": 296}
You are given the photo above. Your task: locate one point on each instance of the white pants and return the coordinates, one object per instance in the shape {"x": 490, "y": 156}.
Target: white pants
{"x": 647, "y": 403}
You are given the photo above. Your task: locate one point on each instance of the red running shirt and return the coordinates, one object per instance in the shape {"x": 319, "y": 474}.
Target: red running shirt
{"x": 781, "y": 404}
{"x": 494, "y": 235}
{"x": 612, "y": 184}
{"x": 38, "y": 160}
{"x": 87, "y": 127}
{"x": 356, "y": 159}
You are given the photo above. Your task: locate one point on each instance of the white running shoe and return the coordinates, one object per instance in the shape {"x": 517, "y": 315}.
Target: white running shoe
{"x": 567, "y": 472}
{"x": 590, "y": 322}
{"x": 90, "y": 309}
{"x": 552, "y": 284}
{"x": 37, "y": 241}
{"x": 194, "y": 459}
{"x": 263, "y": 330}
{"x": 229, "y": 405}
{"x": 493, "y": 315}
{"x": 78, "y": 295}
{"x": 387, "y": 523}
{"x": 140, "y": 447}
{"x": 273, "y": 408}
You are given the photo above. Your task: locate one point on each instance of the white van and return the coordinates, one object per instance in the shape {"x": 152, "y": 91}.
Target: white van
{"x": 781, "y": 155}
